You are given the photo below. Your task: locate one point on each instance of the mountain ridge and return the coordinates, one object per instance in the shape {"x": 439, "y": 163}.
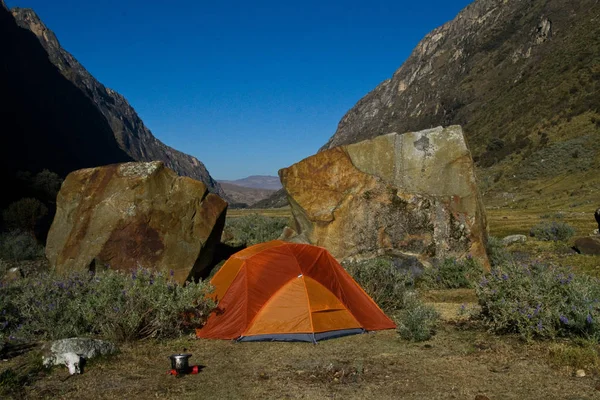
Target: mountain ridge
{"x": 521, "y": 77}
{"x": 131, "y": 134}
{"x": 256, "y": 182}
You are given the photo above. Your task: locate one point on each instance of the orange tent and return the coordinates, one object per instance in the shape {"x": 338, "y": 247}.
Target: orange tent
{"x": 288, "y": 292}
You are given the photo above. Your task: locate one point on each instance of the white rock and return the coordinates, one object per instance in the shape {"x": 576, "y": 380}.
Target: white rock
{"x": 580, "y": 373}
{"x": 73, "y": 361}
{"x": 514, "y": 239}
{"x": 74, "y": 351}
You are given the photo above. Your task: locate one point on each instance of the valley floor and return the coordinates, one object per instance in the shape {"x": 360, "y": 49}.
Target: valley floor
{"x": 460, "y": 362}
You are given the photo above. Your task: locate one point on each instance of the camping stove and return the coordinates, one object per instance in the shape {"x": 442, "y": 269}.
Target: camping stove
{"x": 180, "y": 365}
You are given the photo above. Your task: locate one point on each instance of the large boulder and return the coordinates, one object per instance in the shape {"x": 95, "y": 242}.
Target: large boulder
{"x": 131, "y": 215}
{"x": 587, "y": 245}
{"x": 409, "y": 194}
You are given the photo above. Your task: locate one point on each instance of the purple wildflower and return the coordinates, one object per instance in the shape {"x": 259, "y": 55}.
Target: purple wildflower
{"x": 564, "y": 320}
{"x": 504, "y": 277}
{"x": 172, "y": 273}
{"x": 589, "y": 319}
{"x": 540, "y": 327}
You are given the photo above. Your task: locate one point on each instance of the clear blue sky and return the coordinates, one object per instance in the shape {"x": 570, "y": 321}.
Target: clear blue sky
{"x": 247, "y": 87}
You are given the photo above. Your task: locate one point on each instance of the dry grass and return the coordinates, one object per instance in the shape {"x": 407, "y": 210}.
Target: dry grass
{"x": 459, "y": 362}
{"x": 503, "y": 222}
{"x": 283, "y": 212}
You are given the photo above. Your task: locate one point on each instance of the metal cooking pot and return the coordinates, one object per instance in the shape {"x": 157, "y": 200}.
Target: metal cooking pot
{"x": 179, "y": 362}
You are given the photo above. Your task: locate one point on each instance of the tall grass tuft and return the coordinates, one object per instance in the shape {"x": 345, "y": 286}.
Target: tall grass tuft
{"x": 451, "y": 273}
{"x": 392, "y": 288}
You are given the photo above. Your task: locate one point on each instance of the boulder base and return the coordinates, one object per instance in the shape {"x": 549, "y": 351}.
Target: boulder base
{"x": 411, "y": 194}
{"x": 588, "y": 245}
{"x": 131, "y": 215}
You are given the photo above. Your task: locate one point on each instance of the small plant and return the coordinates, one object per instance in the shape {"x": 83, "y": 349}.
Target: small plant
{"x": 417, "y": 320}
{"x": 24, "y": 214}
{"x": 539, "y": 300}
{"x": 19, "y": 246}
{"x": 552, "y": 231}
{"x": 497, "y": 252}
{"x": 382, "y": 280}
{"x": 110, "y": 304}
{"x": 392, "y": 288}
{"x": 452, "y": 274}
{"x": 253, "y": 229}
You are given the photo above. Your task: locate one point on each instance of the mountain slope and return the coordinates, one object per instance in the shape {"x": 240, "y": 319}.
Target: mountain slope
{"x": 132, "y": 136}
{"x": 257, "y": 182}
{"x": 46, "y": 121}
{"x": 244, "y": 195}
{"x": 522, "y": 77}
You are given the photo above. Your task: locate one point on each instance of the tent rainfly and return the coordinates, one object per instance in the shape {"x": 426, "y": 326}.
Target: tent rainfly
{"x": 279, "y": 291}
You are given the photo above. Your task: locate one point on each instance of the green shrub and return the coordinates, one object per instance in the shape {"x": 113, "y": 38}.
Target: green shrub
{"x": 556, "y": 231}
{"x": 540, "y": 300}
{"x": 417, "y": 321}
{"x": 19, "y": 246}
{"x": 382, "y": 280}
{"x": 392, "y": 288}
{"x": 452, "y": 274}
{"x": 109, "y": 304}
{"x": 24, "y": 214}
{"x": 253, "y": 229}
{"x": 497, "y": 252}
{"x": 47, "y": 184}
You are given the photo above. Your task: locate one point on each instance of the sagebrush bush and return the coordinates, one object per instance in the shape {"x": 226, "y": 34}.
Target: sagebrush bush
{"x": 417, "y": 321}
{"x": 253, "y": 229}
{"x": 24, "y": 214}
{"x": 539, "y": 300}
{"x": 552, "y": 231}
{"x": 451, "y": 273}
{"x": 19, "y": 246}
{"x": 382, "y": 280}
{"x": 392, "y": 288}
{"x": 497, "y": 252}
{"x": 110, "y": 304}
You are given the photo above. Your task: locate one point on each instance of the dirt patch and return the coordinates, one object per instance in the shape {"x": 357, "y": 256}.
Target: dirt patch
{"x": 459, "y": 362}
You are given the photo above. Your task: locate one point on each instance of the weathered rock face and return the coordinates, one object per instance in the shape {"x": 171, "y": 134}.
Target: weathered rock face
{"x": 131, "y": 135}
{"x": 499, "y": 69}
{"x": 411, "y": 194}
{"x": 588, "y": 245}
{"x": 135, "y": 215}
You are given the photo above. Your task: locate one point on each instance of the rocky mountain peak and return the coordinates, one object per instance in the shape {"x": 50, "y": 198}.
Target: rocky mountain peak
{"x": 131, "y": 134}
{"x": 511, "y": 72}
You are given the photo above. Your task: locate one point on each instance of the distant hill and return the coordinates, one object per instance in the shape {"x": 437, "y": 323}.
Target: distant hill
{"x": 257, "y": 182}
{"x": 245, "y": 195}
{"x": 61, "y": 118}
{"x": 523, "y": 79}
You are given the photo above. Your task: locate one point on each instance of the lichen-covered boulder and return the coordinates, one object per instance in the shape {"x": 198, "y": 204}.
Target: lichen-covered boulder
{"x": 410, "y": 194}
{"x": 131, "y": 215}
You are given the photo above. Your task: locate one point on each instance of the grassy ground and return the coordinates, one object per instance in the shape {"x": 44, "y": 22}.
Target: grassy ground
{"x": 460, "y": 362}
{"x": 270, "y": 212}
